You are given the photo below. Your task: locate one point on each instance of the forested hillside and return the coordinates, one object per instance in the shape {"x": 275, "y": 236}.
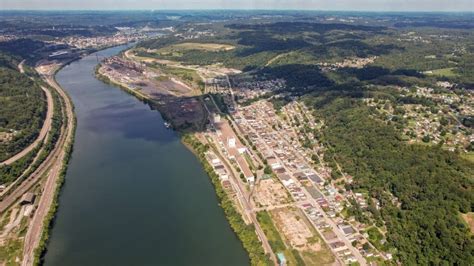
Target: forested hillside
{"x": 22, "y": 109}
{"x": 430, "y": 186}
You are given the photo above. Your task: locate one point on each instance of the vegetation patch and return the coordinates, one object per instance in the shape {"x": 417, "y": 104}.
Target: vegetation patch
{"x": 276, "y": 242}
{"x": 22, "y": 111}
{"x": 443, "y": 72}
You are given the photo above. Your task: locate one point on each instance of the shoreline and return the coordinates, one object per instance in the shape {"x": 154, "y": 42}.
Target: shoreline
{"x": 140, "y": 96}
{"x": 40, "y": 250}
{"x": 245, "y": 233}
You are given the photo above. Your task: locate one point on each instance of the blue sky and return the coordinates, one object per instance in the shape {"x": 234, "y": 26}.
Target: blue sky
{"x": 351, "y": 5}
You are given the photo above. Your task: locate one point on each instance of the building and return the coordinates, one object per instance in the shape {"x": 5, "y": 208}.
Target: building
{"x": 27, "y": 198}
{"x": 249, "y": 176}
{"x": 231, "y": 143}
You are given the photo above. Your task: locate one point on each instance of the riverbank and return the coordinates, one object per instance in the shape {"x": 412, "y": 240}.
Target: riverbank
{"x": 41, "y": 249}
{"x": 37, "y": 235}
{"x": 246, "y": 233}
{"x": 142, "y": 97}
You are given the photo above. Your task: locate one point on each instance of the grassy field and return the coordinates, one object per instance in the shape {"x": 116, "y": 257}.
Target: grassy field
{"x": 375, "y": 238}
{"x": 188, "y": 76}
{"x": 443, "y": 72}
{"x": 275, "y": 240}
{"x": 187, "y": 46}
{"x": 9, "y": 252}
{"x": 468, "y": 156}
{"x": 323, "y": 256}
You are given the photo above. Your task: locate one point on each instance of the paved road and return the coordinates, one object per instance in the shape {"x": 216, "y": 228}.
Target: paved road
{"x": 35, "y": 228}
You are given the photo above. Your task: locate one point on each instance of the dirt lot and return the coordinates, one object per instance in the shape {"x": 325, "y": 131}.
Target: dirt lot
{"x": 5, "y": 136}
{"x": 295, "y": 228}
{"x": 174, "y": 99}
{"x": 469, "y": 218}
{"x": 268, "y": 192}
{"x": 289, "y": 221}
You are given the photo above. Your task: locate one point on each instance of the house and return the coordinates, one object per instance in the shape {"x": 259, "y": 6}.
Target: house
{"x": 315, "y": 178}
{"x": 347, "y": 229}
{"x": 338, "y": 246}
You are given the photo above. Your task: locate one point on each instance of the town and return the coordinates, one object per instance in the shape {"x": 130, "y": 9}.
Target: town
{"x": 267, "y": 169}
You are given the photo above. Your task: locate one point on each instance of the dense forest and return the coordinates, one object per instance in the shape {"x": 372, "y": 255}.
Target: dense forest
{"x": 257, "y": 44}
{"x": 430, "y": 185}
{"x": 22, "y": 111}
{"x": 23, "y": 49}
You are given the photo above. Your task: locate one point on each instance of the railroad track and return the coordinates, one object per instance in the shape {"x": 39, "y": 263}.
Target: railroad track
{"x": 52, "y": 170}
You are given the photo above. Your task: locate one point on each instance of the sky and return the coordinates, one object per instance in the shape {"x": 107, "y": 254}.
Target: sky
{"x": 342, "y": 5}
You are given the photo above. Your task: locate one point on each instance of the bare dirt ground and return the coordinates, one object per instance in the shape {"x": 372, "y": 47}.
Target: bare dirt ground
{"x": 268, "y": 192}
{"x": 469, "y": 218}
{"x": 293, "y": 227}
{"x": 176, "y": 100}
{"x": 296, "y": 230}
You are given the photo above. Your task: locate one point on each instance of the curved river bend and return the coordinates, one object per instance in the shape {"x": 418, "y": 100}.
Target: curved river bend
{"x": 134, "y": 195}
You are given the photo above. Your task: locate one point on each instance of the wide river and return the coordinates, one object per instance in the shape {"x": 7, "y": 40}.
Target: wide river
{"x": 134, "y": 195}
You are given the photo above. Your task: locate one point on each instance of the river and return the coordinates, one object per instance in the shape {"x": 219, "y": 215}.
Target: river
{"x": 134, "y": 194}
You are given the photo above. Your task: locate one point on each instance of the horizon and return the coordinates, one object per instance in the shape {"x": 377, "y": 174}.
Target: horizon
{"x": 429, "y": 6}
{"x": 241, "y": 9}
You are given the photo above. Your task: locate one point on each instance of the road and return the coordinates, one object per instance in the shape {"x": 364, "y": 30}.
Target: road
{"x": 44, "y": 130}
{"x": 35, "y": 228}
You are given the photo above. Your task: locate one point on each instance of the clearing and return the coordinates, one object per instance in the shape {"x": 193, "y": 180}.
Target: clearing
{"x": 469, "y": 218}
{"x": 186, "y": 46}
{"x": 443, "y": 72}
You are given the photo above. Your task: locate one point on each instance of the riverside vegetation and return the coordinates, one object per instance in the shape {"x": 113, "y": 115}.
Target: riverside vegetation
{"x": 246, "y": 233}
